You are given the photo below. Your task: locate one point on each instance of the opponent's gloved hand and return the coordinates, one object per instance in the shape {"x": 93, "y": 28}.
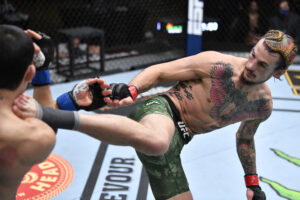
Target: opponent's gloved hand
{"x": 69, "y": 100}
{"x": 121, "y": 91}
{"x": 253, "y": 184}
{"x": 47, "y": 47}
{"x": 43, "y": 60}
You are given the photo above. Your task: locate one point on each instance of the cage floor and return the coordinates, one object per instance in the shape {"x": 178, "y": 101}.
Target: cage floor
{"x": 84, "y": 168}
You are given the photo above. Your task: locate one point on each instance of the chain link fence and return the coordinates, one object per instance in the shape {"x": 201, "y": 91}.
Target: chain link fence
{"x": 137, "y": 33}
{"x": 240, "y": 24}
{"x": 140, "y": 33}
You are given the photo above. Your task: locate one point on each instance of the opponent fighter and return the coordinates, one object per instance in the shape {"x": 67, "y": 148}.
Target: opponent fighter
{"x": 214, "y": 90}
{"x": 23, "y": 142}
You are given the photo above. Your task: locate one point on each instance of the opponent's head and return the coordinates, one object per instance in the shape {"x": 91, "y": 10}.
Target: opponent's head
{"x": 16, "y": 54}
{"x": 271, "y": 56}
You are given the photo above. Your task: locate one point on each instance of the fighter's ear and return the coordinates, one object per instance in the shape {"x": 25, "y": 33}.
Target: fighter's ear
{"x": 279, "y": 73}
{"x": 29, "y": 74}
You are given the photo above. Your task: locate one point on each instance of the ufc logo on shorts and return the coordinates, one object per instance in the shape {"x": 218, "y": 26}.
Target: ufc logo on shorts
{"x": 183, "y": 129}
{"x": 195, "y": 17}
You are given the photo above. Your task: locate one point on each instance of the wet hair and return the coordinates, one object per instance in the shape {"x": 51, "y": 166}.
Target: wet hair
{"x": 279, "y": 42}
{"x": 16, "y": 54}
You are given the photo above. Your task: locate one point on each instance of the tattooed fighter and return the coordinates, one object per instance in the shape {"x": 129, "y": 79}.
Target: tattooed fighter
{"x": 214, "y": 90}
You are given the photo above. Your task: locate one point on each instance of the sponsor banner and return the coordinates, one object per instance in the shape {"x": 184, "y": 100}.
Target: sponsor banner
{"x": 45, "y": 180}
{"x": 120, "y": 174}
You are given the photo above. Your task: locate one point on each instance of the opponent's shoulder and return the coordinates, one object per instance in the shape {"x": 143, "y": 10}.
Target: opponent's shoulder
{"x": 29, "y": 127}
{"x": 39, "y": 143}
{"x": 32, "y": 138}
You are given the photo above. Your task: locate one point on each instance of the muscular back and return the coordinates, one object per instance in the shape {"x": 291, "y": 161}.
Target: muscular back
{"x": 219, "y": 99}
{"x": 22, "y": 144}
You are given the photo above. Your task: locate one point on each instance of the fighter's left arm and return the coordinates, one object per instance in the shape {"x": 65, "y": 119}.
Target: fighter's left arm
{"x": 245, "y": 145}
{"x": 246, "y": 151}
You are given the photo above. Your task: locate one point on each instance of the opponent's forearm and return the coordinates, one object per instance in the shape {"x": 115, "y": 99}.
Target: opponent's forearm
{"x": 247, "y": 155}
{"x": 42, "y": 94}
{"x": 56, "y": 106}
{"x": 42, "y": 79}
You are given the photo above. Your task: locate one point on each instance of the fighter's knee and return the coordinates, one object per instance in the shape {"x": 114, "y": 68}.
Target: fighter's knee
{"x": 158, "y": 147}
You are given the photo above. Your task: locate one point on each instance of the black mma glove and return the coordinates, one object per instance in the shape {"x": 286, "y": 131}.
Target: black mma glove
{"x": 47, "y": 47}
{"x": 121, "y": 91}
{"x": 43, "y": 60}
{"x": 252, "y": 183}
{"x": 68, "y": 100}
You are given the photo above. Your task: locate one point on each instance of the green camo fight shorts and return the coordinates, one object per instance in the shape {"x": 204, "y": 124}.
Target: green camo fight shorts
{"x": 165, "y": 172}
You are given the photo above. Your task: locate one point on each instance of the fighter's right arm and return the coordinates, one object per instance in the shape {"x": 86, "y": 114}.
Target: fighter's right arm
{"x": 188, "y": 68}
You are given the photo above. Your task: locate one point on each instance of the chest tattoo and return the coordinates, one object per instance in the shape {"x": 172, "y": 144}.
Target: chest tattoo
{"x": 231, "y": 104}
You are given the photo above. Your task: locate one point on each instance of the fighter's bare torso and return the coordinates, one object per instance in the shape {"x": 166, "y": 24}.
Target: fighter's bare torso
{"x": 220, "y": 98}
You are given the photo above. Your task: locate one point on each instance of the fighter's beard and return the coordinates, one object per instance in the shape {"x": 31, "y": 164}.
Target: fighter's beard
{"x": 246, "y": 82}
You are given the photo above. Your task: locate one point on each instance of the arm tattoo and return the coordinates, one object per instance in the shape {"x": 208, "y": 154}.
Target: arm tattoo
{"x": 142, "y": 90}
{"x": 246, "y": 147}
